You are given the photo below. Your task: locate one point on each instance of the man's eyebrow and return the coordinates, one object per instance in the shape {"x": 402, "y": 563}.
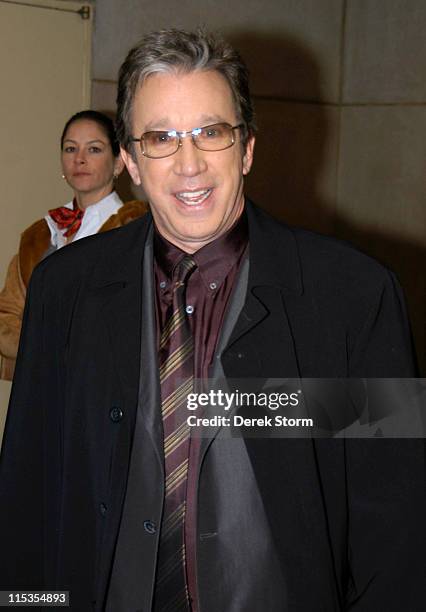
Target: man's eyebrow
{"x": 165, "y": 124}
{"x": 211, "y": 119}
{"x": 160, "y": 124}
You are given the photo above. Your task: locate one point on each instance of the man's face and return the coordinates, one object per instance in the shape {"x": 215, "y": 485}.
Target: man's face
{"x": 195, "y": 195}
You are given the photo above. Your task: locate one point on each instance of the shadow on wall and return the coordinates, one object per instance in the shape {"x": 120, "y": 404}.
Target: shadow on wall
{"x": 294, "y": 175}
{"x": 127, "y": 190}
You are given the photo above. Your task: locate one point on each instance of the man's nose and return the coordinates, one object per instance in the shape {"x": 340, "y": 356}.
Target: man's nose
{"x": 189, "y": 161}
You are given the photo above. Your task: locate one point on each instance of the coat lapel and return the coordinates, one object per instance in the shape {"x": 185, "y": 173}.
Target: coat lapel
{"x": 263, "y": 327}
{"x": 261, "y": 343}
{"x": 274, "y": 277}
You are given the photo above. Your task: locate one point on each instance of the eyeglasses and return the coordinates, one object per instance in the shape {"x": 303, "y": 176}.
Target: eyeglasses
{"x": 216, "y": 137}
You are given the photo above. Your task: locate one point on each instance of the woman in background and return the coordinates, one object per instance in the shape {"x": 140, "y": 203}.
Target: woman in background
{"x": 90, "y": 156}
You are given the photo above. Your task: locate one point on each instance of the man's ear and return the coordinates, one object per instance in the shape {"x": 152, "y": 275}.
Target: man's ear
{"x": 131, "y": 165}
{"x": 248, "y": 155}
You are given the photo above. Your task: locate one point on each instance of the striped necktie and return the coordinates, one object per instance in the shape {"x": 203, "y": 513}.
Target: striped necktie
{"x": 176, "y": 362}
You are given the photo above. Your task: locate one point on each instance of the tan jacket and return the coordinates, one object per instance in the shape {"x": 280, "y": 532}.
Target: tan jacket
{"x": 34, "y": 243}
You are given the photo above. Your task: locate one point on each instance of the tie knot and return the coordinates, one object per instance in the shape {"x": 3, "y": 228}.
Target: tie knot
{"x": 184, "y": 268}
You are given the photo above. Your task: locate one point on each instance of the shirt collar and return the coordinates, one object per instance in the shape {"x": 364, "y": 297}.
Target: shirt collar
{"x": 214, "y": 260}
{"x": 104, "y": 208}
{"x": 94, "y": 217}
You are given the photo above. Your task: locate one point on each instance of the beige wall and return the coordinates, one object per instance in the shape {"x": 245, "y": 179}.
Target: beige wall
{"x": 45, "y": 70}
{"x": 340, "y": 92}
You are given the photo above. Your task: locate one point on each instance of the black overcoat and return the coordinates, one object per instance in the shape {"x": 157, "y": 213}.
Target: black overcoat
{"x": 345, "y": 517}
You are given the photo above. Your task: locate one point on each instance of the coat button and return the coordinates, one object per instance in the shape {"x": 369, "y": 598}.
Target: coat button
{"x": 115, "y": 414}
{"x": 149, "y": 527}
{"x": 103, "y": 509}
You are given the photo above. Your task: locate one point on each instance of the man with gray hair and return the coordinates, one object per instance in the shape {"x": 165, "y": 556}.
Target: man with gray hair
{"x": 105, "y": 490}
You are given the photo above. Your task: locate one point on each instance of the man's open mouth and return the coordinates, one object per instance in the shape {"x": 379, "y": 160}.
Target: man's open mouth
{"x": 193, "y": 198}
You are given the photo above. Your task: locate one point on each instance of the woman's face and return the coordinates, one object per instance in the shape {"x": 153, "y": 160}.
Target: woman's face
{"x": 88, "y": 162}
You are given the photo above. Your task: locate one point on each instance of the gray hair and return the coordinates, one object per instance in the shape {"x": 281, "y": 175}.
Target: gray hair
{"x": 171, "y": 51}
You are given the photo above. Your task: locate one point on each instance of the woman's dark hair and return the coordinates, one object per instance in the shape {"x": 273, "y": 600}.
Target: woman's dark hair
{"x": 104, "y": 122}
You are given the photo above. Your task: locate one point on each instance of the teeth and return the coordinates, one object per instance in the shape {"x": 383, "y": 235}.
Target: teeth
{"x": 193, "y": 197}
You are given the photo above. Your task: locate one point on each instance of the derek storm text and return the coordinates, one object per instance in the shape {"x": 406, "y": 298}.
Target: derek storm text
{"x": 239, "y": 421}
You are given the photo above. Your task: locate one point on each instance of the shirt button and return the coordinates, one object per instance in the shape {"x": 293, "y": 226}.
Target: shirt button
{"x": 163, "y": 284}
{"x": 115, "y": 414}
{"x": 189, "y": 310}
{"x": 213, "y": 286}
{"x": 150, "y": 527}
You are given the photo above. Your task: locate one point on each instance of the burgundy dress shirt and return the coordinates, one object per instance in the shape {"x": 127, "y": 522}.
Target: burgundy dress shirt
{"x": 207, "y": 296}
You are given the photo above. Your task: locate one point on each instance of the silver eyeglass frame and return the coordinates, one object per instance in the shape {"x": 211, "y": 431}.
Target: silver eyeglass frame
{"x": 184, "y": 134}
